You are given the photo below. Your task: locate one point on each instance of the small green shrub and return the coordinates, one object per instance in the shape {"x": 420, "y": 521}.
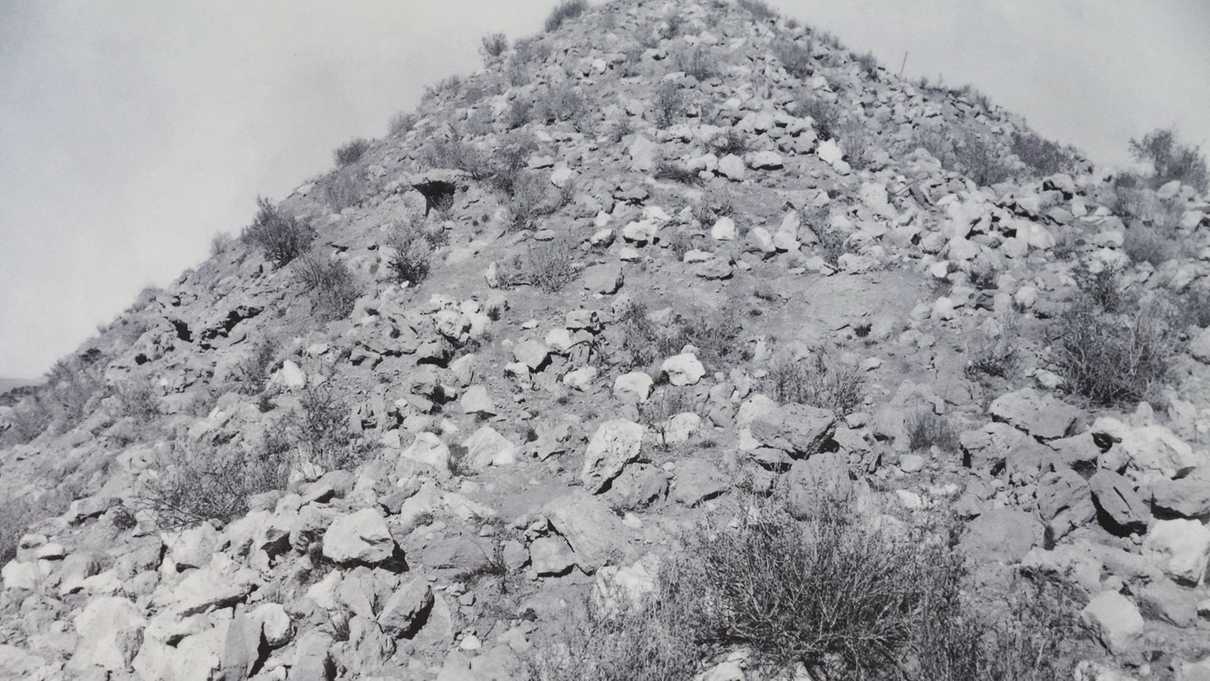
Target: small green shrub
{"x": 351, "y": 151}
{"x": 1171, "y": 159}
{"x": 281, "y": 237}
{"x": 818, "y": 382}
{"x": 332, "y": 286}
{"x": 566, "y": 9}
{"x": 492, "y": 45}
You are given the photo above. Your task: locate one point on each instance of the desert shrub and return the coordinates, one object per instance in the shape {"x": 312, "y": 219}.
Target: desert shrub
{"x": 675, "y": 172}
{"x": 351, "y": 151}
{"x": 73, "y": 386}
{"x": 344, "y": 188}
{"x": 1144, "y": 244}
{"x": 619, "y": 129}
{"x": 1193, "y": 306}
{"x": 857, "y": 141}
{"x": 818, "y": 381}
{"x": 455, "y": 153}
{"x": 281, "y": 237}
{"x": 534, "y": 197}
{"x": 253, "y": 371}
{"x": 562, "y": 103}
{"x": 192, "y": 483}
{"x": 980, "y": 160}
{"x": 492, "y": 45}
{"x": 758, "y": 8}
{"x": 697, "y": 61}
{"x": 1041, "y": 155}
{"x": 669, "y": 103}
{"x": 402, "y": 123}
{"x": 666, "y": 402}
{"x": 520, "y": 112}
{"x": 824, "y": 113}
{"x": 868, "y": 63}
{"x": 331, "y": 284}
{"x": 714, "y": 331}
{"x": 28, "y": 419}
{"x": 506, "y": 168}
{"x": 566, "y": 9}
{"x": 410, "y": 263}
{"x": 1171, "y": 159}
{"x": 732, "y": 141}
{"x": 642, "y": 341}
{"x": 832, "y": 243}
{"x": 926, "y": 429}
{"x": 1101, "y": 288}
{"x": 548, "y": 265}
{"x": 139, "y": 399}
{"x": 795, "y": 57}
{"x": 219, "y": 243}
{"x": 449, "y": 85}
{"x": 1109, "y": 358}
{"x": 319, "y": 429}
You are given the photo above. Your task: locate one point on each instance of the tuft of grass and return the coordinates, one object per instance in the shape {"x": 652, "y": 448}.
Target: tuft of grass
{"x": 818, "y": 382}
{"x": 281, "y": 237}
{"x": 351, "y": 152}
{"x": 566, "y": 9}
{"x": 332, "y": 286}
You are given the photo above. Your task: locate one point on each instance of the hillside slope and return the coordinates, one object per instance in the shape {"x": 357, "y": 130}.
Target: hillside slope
{"x": 647, "y": 276}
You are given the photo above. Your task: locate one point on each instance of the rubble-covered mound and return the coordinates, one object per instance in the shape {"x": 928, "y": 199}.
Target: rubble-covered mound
{"x": 680, "y": 342}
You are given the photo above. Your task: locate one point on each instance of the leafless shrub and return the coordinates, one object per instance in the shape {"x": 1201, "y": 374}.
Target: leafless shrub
{"x": 697, "y": 61}
{"x": 818, "y": 381}
{"x": 669, "y": 103}
{"x": 926, "y": 429}
{"x": 332, "y": 286}
{"x": 253, "y": 371}
{"x": 795, "y": 57}
{"x": 402, "y": 123}
{"x": 139, "y": 399}
{"x": 548, "y": 265}
{"x": 219, "y": 244}
{"x": 996, "y": 356}
{"x": 733, "y": 141}
{"x": 673, "y": 172}
{"x": 444, "y": 87}
{"x": 351, "y": 151}
{"x": 1041, "y": 155}
{"x": 534, "y": 197}
{"x": 281, "y": 237}
{"x": 15, "y": 515}
{"x": 410, "y": 263}
{"x": 320, "y": 430}
{"x": 192, "y": 483}
{"x": 868, "y": 63}
{"x": 666, "y": 402}
{"x": 1144, "y": 244}
{"x": 980, "y": 160}
{"x": 1171, "y": 159}
{"x": 824, "y": 113}
{"x": 562, "y": 103}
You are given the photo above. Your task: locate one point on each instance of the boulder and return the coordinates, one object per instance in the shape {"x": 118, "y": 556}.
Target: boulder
{"x": 1181, "y": 548}
{"x": 1123, "y": 510}
{"x": 485, "y": 447}
{"x": 1114, "y": 620}
{"x": 632, "y": 387}
{"x": 359, "y": 537}
{"x": 697, "y": 481}
{"x": 592, "y": 530}
{"x": 1199, "y": 347}
{"x": 817, "y": 483}
{"x": 222, "y": 582}
{"x": 551, "y": 556}
{"x": 1042, "y": 416}
{"x": 1001, "y": 535}
{"x": 797, "y": 429}
{"x": 1188, "y": 497}
{"x": 110, "y": 631}
{"x": 406, "y": 611}
{"x": 614, "y": 444}
{"x": 1064, "y": 501}
{"x": 683, "y": 369}
{"x": 605, "y": 279}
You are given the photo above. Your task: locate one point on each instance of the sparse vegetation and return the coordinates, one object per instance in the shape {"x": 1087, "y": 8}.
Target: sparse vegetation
{"x": 666, "y": 402}
{"x": 351, "y": 151}
{"x": 1144, "y": 244}
{"x": 818, "y": 381}
{"x": 1041, "y": 155}
{"x": 281, "y": 237}
{"x": 758, "y": 8}
{"x": 665, "y": 170}
{"x": 138, "y": 399}
{"x": 566, "y": 9}
{"x": 697, "y": 61}
{"x": 996, "y": 356}
{"x": 402, "y": 123}
{"x": 410, "y": 262}
{"x": 332, "y": 286}
{"x": 447, "y": 86}
{"x": 562, "y": 103}
{"x": 825, "y": 114}
{"x": 795, "y": 57}
{"x": 319, "y": 429}
{"x": 193, "y": 483}
{"x": 1171, "y": 159}
{"x": 15, "y": 516}
{"x": 548, "y": 265}
{"x": 868, "y": 63}
{"x": 732, "y": 141}
{"x": 253, "y": 371}
{"x": 534, "y": 197}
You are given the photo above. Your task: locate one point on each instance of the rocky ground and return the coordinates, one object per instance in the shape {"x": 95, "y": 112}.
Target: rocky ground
{"x": 670, "y": 268}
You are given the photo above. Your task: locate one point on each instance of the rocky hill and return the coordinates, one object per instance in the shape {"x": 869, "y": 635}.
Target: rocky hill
{"x": 680, "y": 342}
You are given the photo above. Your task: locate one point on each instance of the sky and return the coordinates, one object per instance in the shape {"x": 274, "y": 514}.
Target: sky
{"x": 132, "y": 132}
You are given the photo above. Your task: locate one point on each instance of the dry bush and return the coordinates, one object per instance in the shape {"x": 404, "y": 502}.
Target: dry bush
{"x": 344, "y": 188}
{"x": 1144, "y": 244}
{"x": 410, "y": 263}
{"x": 455, "y": 153}
{"x": 332, "y": 286}
{"x": 562, "y": 103}
{"x": 980, "y": 160}
{"x": 253, "y": 371}
{"x": 795, "y": 57}
{"x": 219, "y": 243}
{"x": 351, "y": 151}
{"x": 673, "y": 172}
{"x": 193, "y": 483}
{"x": 732, "y": 141}
{"x": 996, "y": 356}
{"x": 319, "y": 429}
{"x": 548, "y": 265}
{"x": 446, "y": 86}
{"x": 281, "y": 237}
{"x": 73, "y": 387}
{"x": 139, "y": 399}
{"x": 926, "y": 429}
{"x": 697, "y": 61}
{"x": 669, "y": 103}
{"x": 492, "y": 45}
{"x": 1102, "y": 288}
{"x": 642, "y": 342}
{"x": 402, "y": 123}
{"x": 857, "y": 141}
{"x": 566, "y": 9}
{"x": 15, "y": 515}
{"x": 868, "y": 63}
{"x": 1113, "y": 358}
{"x": 1171, "y": 159}
{"x": 825, "y": 114}
{"x": 534, "y": 197}
{"x": 832, "y": 243}
{"x": 520, "y": 112}
{"x": 666, "y": 402}
{"x": 1041, "y": 155}
{"x": 818, "y": 382}
{"x": 758, "y": 8}
{"x": 1193, "y": 306}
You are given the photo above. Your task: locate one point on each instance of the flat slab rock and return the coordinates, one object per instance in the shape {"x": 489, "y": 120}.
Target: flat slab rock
{"x": 594, "y": 533}
{"x": 1041, "y": 415}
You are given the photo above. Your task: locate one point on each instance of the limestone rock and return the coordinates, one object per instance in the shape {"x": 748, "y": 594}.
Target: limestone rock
{"x": 1115, "y": 620}
{"x": 614, "y": 444}
{"x": 796, "y": 429}
{"x": 110, "y": 631}
{"x": 683, "y": 369}
{"x": 1038, "y": 414}
{"x": 1181, "y": 548}
{"x": 360, "y": 537}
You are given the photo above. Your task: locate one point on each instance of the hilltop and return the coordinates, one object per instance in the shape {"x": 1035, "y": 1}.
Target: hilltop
{"x": 680, "y": 342}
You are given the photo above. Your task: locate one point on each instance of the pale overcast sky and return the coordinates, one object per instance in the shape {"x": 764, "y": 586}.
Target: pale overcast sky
{"x": 131, "y": 132}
